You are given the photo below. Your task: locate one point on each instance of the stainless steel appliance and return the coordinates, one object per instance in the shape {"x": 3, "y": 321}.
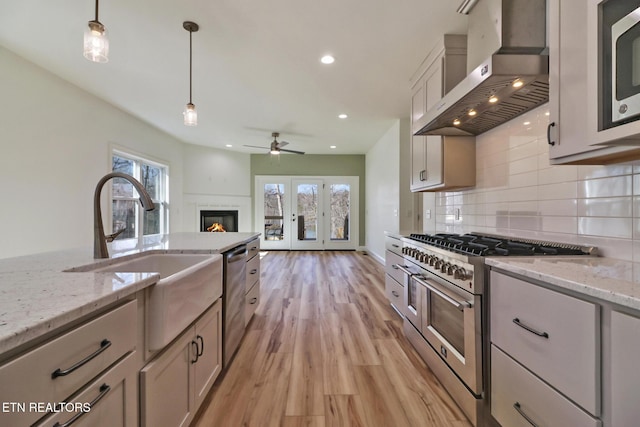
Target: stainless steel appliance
{"x": 445, "y": 297}
{"x": 620, "y": 40}
{"x": 234, "y": 273}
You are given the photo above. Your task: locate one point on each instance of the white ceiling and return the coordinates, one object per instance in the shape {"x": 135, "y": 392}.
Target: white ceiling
{"x": 256, "y": 65}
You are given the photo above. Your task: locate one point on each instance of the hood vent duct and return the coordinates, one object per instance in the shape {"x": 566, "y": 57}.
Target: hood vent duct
{"x": 513, "y": 77}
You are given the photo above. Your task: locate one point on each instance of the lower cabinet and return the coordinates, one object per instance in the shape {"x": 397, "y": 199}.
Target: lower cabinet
{"x": 176, "y": 382}
{"x": 625, "y": 375}
{"x": 106, "y": 402}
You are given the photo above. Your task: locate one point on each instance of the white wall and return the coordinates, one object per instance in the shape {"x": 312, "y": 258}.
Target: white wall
{"x": 54, "y": 147}
{"x": 382, "y": 190}
{"x": 216, "y": 179}
{"x": 518, "y": 193}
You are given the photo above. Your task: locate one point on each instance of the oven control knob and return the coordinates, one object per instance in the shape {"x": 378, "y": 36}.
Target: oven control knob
{"x": 445, "y": 267}
{"x": 417, "y": 254}
{"x": 452, "y": 269}
{"x": 439, "y": 263}
{"x": 461, "y": 274}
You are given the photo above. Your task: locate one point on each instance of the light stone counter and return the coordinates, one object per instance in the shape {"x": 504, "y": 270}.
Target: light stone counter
{"x": 37, "y": 296}
{"x": 606, "y": 279}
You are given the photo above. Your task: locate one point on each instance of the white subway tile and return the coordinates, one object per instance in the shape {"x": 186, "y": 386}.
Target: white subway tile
{"x": 606, "y": 187}
{"x": 556, "y": 174}
{"x": 562, "y": 207}
{"x": 606, "y": 207}
{"x": 564, "y": 190}
{"x": 559, "y": 224}
{"x": 606, "y": 227}
{"x": 590, "y": 172}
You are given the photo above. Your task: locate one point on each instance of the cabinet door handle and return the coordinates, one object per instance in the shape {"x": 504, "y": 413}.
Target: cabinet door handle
{"x": 254, "y": 271}
{"x": 254, "y": 248}
{"x": 395, "y": 266}
{"x": 395, "y": 294}
{"x": 201, "y": 350}
{"x": 105, "y": 344}
{"x": 552, "y": 124}
{"x": 197, "y": 352}
{"x": 104, "y": 389}
{"x": 394, "y": 245}
{"x": 253, "y": 301}
{"x": 530, "y": 329}
{"x": 523, "y": 415}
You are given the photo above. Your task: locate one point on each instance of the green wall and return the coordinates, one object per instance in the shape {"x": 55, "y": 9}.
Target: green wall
{"x": 312, "y": 165}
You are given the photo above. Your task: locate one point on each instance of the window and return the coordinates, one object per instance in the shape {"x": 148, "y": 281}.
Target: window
{"x": 126, "y": 208}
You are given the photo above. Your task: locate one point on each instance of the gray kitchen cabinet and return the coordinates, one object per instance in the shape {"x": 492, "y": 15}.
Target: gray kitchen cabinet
{"x": 175, "y": 383}
{"x": 394, "y": 277}
{"x": 68, "y": 364}
{"x": 252, "y": 284}
{"x": 569, "y": 137}
{"x": 625, "y": 376}
{"x": 437, "y": 162}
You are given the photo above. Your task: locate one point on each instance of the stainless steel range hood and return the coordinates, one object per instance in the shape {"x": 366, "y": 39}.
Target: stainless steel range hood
{"x": 506, "y": 48}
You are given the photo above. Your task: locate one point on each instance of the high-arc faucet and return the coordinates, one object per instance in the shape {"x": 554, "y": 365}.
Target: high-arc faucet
{"x": 99, "y": 238}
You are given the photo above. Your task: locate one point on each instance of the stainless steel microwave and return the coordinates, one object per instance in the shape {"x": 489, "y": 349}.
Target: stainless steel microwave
{"x": 620, "y": 73}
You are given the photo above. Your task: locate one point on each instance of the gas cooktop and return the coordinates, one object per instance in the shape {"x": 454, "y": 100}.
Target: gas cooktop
{"x": 477, "y": 244}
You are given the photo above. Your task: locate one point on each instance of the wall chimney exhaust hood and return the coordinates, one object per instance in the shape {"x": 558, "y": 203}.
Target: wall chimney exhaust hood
{"x": 507, "y": 66}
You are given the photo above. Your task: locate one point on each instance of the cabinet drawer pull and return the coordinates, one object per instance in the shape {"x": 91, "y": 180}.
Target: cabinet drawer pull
{"x": 254, "y": 271}
{"x": 196, "y": 353}
{"x": 105, "y": 344}
{"x": 523, "y": 415}
{"x": 552, "y": 124}
{"x": 104, "y": 389}
{"x": 253, "y": 301}
{"x": 530, "y": 329}
{"x": 394, "y": 245}
{"x": 201, "y": 350}
{"x": 394, "y": 266}
{"x": 395, "y": 294}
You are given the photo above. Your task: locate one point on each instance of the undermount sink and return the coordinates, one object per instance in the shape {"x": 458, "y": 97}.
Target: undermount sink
{"x": 188, "y": 285}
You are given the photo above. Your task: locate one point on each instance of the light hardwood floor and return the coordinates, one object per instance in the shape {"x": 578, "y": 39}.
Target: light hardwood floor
{"x": 325, "y": 348}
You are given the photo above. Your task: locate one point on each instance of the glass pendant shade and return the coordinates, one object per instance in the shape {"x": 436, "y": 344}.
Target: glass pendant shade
{"x": 96, "y": 42}
{"x": 190, "y": 115}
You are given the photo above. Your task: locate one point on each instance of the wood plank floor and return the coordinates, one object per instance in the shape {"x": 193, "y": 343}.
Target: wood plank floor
{"x": 325, "y": 348}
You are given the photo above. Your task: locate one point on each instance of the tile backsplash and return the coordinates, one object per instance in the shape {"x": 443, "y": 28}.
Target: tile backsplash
{"x": 518, "y": 193}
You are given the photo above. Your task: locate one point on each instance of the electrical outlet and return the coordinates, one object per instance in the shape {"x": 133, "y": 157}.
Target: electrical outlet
{"x": 457, "y": 214}
{"x": 427, "y": 214}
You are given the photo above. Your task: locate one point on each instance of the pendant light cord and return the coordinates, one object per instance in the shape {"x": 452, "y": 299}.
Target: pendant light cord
{"x": 190, "y": 62}
{"x": 97, "y": 11}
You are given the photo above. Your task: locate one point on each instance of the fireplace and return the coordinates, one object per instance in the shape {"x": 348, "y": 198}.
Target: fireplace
{"x": 218, "y": 220}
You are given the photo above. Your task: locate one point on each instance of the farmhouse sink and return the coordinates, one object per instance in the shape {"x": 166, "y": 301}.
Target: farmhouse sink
{"x": 188, "y": 285}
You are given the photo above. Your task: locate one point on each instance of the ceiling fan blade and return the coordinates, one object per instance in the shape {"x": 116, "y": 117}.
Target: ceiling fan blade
{"x": 292, "y": 151}
{"x": 255, "y": 146}
{"x": 282, "y": 144}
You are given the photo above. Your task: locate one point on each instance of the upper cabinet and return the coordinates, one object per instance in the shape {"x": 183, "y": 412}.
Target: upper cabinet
{"x": 440, "y": 163}
{"x": 572, "y": 104}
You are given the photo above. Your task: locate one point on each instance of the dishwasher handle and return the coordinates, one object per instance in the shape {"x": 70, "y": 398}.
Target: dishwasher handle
{"x": 236, "y": 254}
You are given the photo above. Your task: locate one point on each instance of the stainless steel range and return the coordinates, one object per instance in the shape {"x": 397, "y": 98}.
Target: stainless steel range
{"x": 444, "y": 305}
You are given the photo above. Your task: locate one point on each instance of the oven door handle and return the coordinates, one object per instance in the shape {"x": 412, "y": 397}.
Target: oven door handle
{"x": 443, "y": 293}
{"x": 403, "y": 269}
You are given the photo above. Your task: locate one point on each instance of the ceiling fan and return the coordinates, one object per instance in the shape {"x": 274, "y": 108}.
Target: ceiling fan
{"x": 276, "y": 147}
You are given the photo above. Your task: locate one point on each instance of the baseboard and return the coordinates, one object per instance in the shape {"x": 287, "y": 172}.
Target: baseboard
{"x": 372, "y": 254}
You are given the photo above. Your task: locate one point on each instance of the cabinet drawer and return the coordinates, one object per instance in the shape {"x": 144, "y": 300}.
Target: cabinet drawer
{"x": 515, "y": 389}
{"x": 253, "y": 272}
{"x": 113, "y": 397}
{"x": 252, "y": 300}
{"x": 391, "y": 260}
{"x": 394, "y": 291}
{"x": 552, "y": 334}
{"x": 253, "y": 248}
{"x": 100, "y": 342}
{"x": 393, "y": 245}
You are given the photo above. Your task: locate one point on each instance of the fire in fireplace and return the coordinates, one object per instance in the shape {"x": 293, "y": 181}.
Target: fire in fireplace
{"x": 218, "y": 220}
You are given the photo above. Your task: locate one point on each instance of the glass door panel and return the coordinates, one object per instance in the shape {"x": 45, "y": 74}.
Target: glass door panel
{"x": 306, "y": 219}
{"x": 272, "y": 213}
{"x": 339, "y": 205}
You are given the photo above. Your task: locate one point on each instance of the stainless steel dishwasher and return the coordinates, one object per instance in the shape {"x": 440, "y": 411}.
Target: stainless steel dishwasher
{"x": 235, "y": 262}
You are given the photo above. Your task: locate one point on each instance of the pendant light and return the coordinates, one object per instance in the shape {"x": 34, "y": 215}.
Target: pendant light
{"x": 190, "y": 113}
{"x": 96, "y": 43}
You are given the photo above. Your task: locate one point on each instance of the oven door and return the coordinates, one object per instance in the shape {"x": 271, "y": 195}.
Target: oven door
{"x": 412, "y": 298}
{"x": 625, "y": 66}
{"x": 451, "y": 323}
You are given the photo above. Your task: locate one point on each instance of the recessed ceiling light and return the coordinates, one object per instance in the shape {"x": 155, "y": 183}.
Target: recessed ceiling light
{"x": 472, "y": 112}
{"x": 332, "y": 146}
{"x": 526, "y": 123}
{"x": 342, "y": 116}
{"x": 546, "y": 114}
{"x": 228, "y": 145}
{"x": 493, "y": 99}
{"x": 327, "y": 59}
{"x": 518, "y": 83}
{"x": 456, "y": 122}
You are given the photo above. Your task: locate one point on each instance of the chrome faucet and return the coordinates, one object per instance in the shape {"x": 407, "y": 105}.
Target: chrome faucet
{"x": 99, "y": 238}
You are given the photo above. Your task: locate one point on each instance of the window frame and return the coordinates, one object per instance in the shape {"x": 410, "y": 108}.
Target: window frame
{"x": 161, "y": 203}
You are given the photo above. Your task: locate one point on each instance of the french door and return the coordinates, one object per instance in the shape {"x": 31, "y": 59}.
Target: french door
{"x": 307, "y": 213}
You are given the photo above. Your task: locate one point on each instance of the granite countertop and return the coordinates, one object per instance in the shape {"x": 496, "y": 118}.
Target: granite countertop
{"x": 606, "y": 279}
{"x": 37, "y": 295}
